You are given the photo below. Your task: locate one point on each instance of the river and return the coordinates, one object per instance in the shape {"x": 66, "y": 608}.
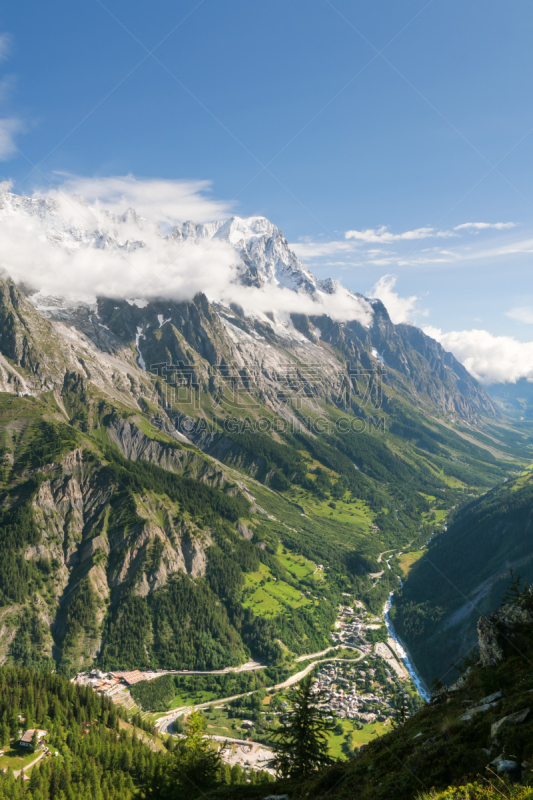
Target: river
{"x": 402, "y": 650}
{"x": 404, "y": 654}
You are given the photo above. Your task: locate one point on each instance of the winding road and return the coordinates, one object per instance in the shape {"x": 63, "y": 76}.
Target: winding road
{"x": 163, "y": 723}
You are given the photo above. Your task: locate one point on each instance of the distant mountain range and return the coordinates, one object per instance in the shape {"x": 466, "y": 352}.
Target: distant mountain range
{"x": 210, "y": 333}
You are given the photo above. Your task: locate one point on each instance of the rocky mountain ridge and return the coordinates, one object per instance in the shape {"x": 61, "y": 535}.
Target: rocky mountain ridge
{"x": 203, "y": 333}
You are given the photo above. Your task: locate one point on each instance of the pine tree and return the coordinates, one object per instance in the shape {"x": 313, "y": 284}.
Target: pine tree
{"x": 5, "y": 734}
{"x": 198, "y": 764}
{"x": 301, "y": 741}
{"x": 236, "y": 775}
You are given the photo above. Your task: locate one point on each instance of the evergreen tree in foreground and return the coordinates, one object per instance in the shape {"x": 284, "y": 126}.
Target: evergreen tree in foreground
{"x": 301, "y": 741}
{"x": 198, "y": 764}
{"x": 195, "y": 769}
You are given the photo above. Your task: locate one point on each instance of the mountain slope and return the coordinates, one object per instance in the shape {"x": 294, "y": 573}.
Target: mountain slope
{"x": 464, "y": 573}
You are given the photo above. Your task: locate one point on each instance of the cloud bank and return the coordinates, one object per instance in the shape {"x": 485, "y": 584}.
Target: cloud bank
{"x": 79, "y": 241}
{"x": 162, "y": 201}
{"x": 490, "y": 359}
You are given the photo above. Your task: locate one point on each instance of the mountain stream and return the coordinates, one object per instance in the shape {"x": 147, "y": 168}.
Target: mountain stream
{"x": 401, "y": 650}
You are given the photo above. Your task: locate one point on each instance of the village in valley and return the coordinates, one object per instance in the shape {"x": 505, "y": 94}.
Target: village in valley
{"x": 361, "y": 678}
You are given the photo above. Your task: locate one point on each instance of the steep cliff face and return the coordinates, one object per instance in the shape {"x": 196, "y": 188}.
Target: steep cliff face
{"x": 413, "y": 364}
{"x": 32, "y": 353}
{"x": 499, "y": 635}
{"x": 92, "y": 540}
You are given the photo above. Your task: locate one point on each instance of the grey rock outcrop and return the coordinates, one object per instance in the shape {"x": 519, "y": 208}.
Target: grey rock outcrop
{"x": 490, "y": 649}
{"x": 503, "y": 764}
{"x": 511, "y": 719}
{"x": 500, "y": 629}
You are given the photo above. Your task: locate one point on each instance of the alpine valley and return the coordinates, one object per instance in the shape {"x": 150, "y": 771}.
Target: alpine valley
{"x": 191, "y": 480}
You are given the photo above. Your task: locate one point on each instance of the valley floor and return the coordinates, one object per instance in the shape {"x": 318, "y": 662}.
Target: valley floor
{"x": 364, "y": 681}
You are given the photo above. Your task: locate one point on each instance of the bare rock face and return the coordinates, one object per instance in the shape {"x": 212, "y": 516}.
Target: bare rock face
{"x": 245, "y": 532}
{"x": 500, "y": 629}
{"x": 490, "y": 650}
{"x": 137, "y": 446}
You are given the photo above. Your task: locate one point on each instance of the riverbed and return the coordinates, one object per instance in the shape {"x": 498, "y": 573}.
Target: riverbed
{"x": 404, "y": 653}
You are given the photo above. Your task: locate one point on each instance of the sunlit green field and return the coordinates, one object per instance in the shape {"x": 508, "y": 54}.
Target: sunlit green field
{"x": 271, "y": 596}
{"x": 359, "y": 737}
{"x": 298, "y": 566}
{"x": 17, "y": 757}
{"x": 356, "y": 514}
{"x": 406, "y": 561}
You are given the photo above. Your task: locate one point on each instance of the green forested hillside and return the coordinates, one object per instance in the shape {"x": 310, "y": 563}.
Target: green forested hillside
{"x": 465, "y": 573}
{"x": 143, "y": 552}
{"x": 97, "y": 758}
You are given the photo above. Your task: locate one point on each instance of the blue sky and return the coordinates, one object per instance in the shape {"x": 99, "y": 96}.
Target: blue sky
{"x": 379, "y": 119}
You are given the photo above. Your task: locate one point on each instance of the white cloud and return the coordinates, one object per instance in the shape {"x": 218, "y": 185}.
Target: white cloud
{"x": 84, "y": 269}
{"x": 359, "y": 246}
{"x": 499, "y": 226}
{"x": 522, "y": 314}
{"x": 75, "y": 249}
{"x": 384, "y": 236}
{"x": 400, "y": 308}
{"x": 163, "y": 201}
{"x": 342, "y": 305}
{"x": 490, "y": 359}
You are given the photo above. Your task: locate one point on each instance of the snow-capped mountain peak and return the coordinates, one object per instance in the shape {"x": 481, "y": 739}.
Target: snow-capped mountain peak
{"x": 265, "y": 253}
{"x": 83, "y": 251}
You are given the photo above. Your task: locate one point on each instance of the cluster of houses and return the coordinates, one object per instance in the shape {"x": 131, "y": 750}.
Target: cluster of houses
{"x": 350, "y": 627}
{"x": 113, "y": 684}
{"x": 353, "y": 694}
{"x": 345, "y": 699}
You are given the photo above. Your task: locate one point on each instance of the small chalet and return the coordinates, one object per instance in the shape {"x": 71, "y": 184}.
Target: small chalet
{"x": 27, "y": 739}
